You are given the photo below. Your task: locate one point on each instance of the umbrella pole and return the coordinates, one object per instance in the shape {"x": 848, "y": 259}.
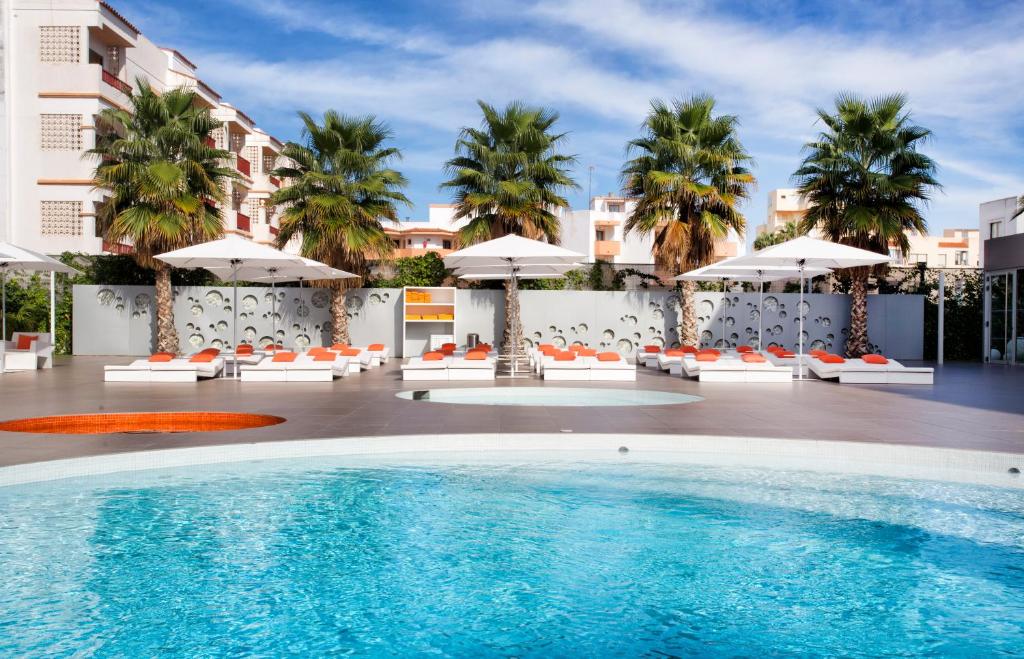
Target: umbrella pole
{"x": 273, "y": 312}
{"x": 3, "y": 285}
{"x": 53, "y": 308}
{"x": 760, "y": 314}
{"x": 234, "y": 311}
{"x": 800, "y": 338}
{"x": 725, "y": 301}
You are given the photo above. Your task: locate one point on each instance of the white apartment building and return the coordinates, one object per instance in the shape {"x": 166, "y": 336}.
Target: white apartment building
{"x": 599, "y": 232}
{"x": 996, "y": 220}
{"x": 438, "y": 234}
{"x": 955, "y": 248}
{"x": 784, "y": 205}
{"x": 63, "y": 62}
{"x": 1003, "y": 263}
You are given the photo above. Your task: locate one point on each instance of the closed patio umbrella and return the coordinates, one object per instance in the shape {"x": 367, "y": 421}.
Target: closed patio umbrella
{"x": 507, "y": 255}
{"x": 806, "y": 252}
{"x": 230, "y": 253}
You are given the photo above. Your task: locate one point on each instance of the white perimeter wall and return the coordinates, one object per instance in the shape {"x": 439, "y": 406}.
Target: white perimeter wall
{"x": 117, "y": 320}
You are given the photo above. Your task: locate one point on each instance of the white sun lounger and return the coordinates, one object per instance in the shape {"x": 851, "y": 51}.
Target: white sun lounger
{"x": 460, "y": 368}
{"x": 857, "y": 371}
{"x": 577, "y": 370}
{"x": 648, "y": 359}
{"x": 449, "y": 368}
{"x": 303, "y": 369}
{"x": 39, "y": 354}
{"x": 787, "y": 361}
{"x": 737, "y": 370}
{"x": 416, "y": 368}
{"x": 617, "y": 371}
{"x": 176, "y": 370}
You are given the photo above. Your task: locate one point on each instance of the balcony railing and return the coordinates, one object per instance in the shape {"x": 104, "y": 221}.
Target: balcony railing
{"x": 210, "y": 142}
{"x": 276, "y": 182}
{"x": 117, "y": 83}
{"x": 117, "y": 248}
{"x": 274, "y": 230}
{"x": 242, "y": 222}
{"x": 242, "y": 165}
{"x": 607, "y": 247}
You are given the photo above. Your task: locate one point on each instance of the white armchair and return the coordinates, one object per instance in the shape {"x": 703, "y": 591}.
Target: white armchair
{"x": 25, "y": 353}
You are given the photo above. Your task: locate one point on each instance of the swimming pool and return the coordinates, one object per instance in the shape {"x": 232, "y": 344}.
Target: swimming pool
{"x": 549, "y": 396}
{"x": 536, "y": 558}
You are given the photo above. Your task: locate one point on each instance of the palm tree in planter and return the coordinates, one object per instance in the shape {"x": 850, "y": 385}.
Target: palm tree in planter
{"x": 688, "y": 173}
{"x": 163, "y": 181}
{"x": 508, "y": 177}
{"x": 866, "y": 182}
{"x": 341, "y": 187}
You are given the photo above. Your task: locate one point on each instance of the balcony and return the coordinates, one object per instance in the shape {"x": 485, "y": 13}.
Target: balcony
{"x": 274, "y": 181}
{"x": 242, "y": 165}
{"x": 242, "y": 222}
{"x": 116, "y": 83}
{"x": 607, "y": 248}
{"x": 210, "y": 142}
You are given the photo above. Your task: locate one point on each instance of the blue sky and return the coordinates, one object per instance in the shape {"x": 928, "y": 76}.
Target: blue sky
{"x": 421, "y": 66}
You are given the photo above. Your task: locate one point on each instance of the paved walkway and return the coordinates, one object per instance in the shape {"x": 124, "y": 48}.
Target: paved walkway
{"x": 970, "y": 406}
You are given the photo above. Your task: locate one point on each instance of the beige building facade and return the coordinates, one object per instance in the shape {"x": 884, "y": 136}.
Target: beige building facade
{"x": 64, "y": 61}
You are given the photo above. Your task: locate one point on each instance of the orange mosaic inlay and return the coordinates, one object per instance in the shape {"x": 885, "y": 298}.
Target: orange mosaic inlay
{"x": 146, "y": 422}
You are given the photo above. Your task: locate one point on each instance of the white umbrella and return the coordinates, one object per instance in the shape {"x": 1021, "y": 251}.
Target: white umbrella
{"x": 13, "y": 257}
{"x": 521, "y": 272}
{"x": 806, "y": 252}
{"x": 231, "y": 252}
{"x": 510, "y": 253}
{"x": 727, "y": 270}
{"x": 308, "y": 270}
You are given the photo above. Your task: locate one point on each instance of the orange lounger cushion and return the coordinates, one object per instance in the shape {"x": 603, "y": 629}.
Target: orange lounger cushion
{"x": 375, "y": 346}
{"x": 349, "y": 352}
{"x": 608, "y": 356}
{"x": 831, "y": 359}
{"x": 202, "y": 358}
{"x": 744, "y": 349}
{"x": 576, "y": 347}
{"x": 324, "y": 356}
{"x": 674, "y": 352}
{"x": 476, "y": 355}
{"x": 486, "y": 347}
{"x": 587, "y": 352}
{"x": 652, "y": 349}
{"x": 339, "y": 346}
{"x": 785, "y": 354}
{"x": 433, "y": 357}
{"x": 451, "y": 346}
{"x": 210, "y": 351}
{"x": 25, "y": 341}
{"x": 244, "y": 349}
{"x": 447, "y": 351}
{"x": 753, "y": 358}
{"x": 707, "y": 357}
{"x": 565, "y": 356}
{"x": 542, "y": 346}
{"x": 816, "y": 353}
{"x": 161, "y": 357}
{"x": 874, "y": 359}
{"x": 284, "y": 357}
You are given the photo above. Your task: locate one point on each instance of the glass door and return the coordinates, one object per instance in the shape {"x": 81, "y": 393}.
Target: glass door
{"x": 1017, "y": 331}
{"x": 1000, "y": 347}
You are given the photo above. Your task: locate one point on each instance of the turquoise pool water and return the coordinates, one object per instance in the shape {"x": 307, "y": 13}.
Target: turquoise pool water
{"x": 532, "y": 559}
{"x": 549, "y": 396}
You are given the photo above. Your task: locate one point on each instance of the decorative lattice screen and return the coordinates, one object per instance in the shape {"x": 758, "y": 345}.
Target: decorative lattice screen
{"x": 269, "y": 162}
{"x": 60, "y": 218}
{"x": 218, "y": 137}
{"x": 237, "y": 142}
{"x": 59, "y": 44}
{"x": 252, "y": 154}
{"x": 60, "y": 132}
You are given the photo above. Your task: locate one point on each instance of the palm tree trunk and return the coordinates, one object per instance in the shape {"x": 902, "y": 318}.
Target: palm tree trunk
{"x": 857, "y": 343}
{"x": 339, "y": 317}
{"x": 513, "y": 335}
{"x": 166, "y": 334}
{"x": 688, "y": 315}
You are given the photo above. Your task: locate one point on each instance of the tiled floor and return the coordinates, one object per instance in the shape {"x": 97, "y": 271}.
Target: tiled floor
{"x": 970, "y": 406}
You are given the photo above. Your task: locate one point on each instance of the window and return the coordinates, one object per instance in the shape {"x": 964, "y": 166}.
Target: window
{"x": 615, "y": 208}
{"x": 918, "y": 258}
{"x": 59, "y": 44}
{"x": 599, "y": 234}
{"x": 398, "y": 243}
{"x": 60, "y": 132}
{"x": 995, "y": 229}
{"x": 60, "y": 218}
{"x": 95, "y": 58}
{"x": 961, "y": 258}
{"x": 446, "y": 244}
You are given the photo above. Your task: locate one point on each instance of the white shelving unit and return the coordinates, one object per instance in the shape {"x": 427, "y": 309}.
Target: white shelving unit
{"x": 435, "y": 302}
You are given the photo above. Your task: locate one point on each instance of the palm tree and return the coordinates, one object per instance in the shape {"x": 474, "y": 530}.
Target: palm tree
{"x": 163, "y": 180}
{"x": 866, "y": 182}
{"x": 508, "y": 176}
{"x": 341, "y": 187}
{"x": 688, "y": 174}
{"x": 787, "y": 231}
